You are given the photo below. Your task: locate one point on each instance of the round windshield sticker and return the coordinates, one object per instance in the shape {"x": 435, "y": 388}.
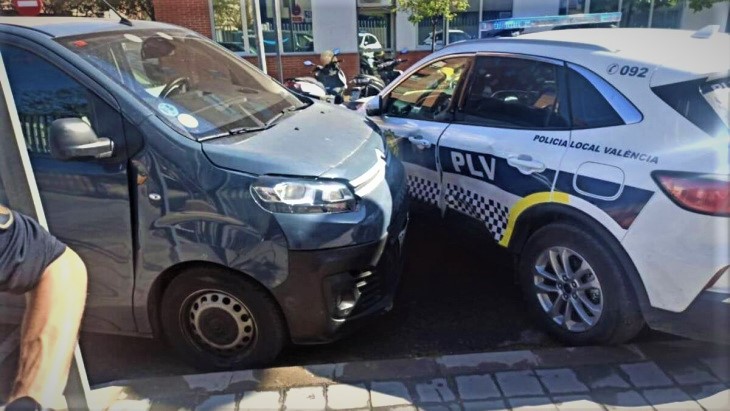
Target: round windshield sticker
{"x": 168, "y": 109}
{"x": 187, "y": 120}
{"x": 132, "y": 37}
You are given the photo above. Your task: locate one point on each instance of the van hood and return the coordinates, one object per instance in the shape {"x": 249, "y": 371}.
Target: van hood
{"x": 321, "y": 140}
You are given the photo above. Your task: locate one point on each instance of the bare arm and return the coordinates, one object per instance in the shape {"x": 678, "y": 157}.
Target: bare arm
{"x": 50, "y": 330}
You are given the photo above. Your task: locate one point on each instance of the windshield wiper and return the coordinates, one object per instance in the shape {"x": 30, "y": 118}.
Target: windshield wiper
{"x": 245, "y": 130}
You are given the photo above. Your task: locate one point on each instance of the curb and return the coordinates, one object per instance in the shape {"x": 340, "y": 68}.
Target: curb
{"x": 281, "y": 378}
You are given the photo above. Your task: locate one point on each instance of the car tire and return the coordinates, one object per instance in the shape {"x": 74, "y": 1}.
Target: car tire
{"x": 219, "y": 320}
{"x": 596, "y": 304}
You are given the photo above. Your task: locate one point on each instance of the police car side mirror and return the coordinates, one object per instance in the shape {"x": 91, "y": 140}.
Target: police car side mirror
{"x": 73, "y": 138}
{"x": 374, "y": 106}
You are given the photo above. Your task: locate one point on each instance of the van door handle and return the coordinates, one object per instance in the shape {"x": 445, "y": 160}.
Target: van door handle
{"x": 526, "y": 164}
{"x": 419, "y": 142}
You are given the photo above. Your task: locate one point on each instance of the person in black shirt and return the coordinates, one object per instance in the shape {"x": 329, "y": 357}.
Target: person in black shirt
{"x": 53, "y": 277}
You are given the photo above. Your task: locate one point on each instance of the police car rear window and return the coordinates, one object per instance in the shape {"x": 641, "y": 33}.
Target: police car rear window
{"x": 704, "y": 102}
{"x": 589, "y": 109}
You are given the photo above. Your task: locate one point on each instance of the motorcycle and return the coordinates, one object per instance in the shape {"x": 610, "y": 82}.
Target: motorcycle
{"x": 366, "y": 85}
{"x": 328, "y": 83}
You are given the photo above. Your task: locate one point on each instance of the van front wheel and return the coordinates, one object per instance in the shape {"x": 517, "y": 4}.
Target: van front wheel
{"x": 218, "y": 320}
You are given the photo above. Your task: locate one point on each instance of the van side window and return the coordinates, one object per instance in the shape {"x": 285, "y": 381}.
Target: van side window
{"x": 508, "y": 92}
{"x": 589, "y": 108}
{"x": 42, "y": 93}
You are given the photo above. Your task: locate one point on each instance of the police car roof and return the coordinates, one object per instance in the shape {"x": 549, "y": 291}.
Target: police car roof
{"x": 677, "y": 50}
{"x": 70, "y": 26}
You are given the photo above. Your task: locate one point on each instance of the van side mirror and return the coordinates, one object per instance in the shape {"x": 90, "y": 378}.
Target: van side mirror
{"x": 374, "y": 106}
{"x": 72, "y": 138}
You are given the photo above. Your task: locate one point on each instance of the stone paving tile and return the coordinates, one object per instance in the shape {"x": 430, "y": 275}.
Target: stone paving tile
{"x": 388, "y": 394}
{"x": 209, "y": 382}
{"x": 720, "y": 366}
{"x": 345, "y": 397}
{"x": 576, "y": 403}
{"x": 519, "y": 383}
{"x": 670, "y": 399}
{"x": 386, "y": 370}
{"x": 714, "y": 397}
{"x": 497, "y": 405}
{"x": 476, "y": 387}
{"x": 688, "y": 372}
{"x": 226, "y": 402}
{"x": 646, "y": 375}
{"x": 577, "y": 356}
{"x": 601, "y": 376}
{"x": 486, "y": 362}
{"x": 621, "y": 400}
{"x": 260, "y": 400}
{"x": 434, "y": 391}
{"x": 531, "y": 404}
{"x": 305, "y": 398}
{"x": 397, "y": 408}
{"x": 560, "y": 381}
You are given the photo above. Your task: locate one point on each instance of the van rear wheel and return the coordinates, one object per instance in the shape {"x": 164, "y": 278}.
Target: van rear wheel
{"x": 576, "y": 288}
{"x": 217, "y": 320}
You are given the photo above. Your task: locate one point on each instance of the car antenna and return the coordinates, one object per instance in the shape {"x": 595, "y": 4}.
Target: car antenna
{"x": 122, "y": 19}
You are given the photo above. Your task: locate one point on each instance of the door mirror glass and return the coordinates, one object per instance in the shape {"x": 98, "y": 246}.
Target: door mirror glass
{"x": 404, "y": 51}
{"x": 72, "y": 138}
{"x": 308, "y": 63}
{"x": 374, "y": 106}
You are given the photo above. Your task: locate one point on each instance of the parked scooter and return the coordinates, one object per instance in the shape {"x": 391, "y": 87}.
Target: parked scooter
{"x": 329, "y": 82}
{"x": 366, "y": 85}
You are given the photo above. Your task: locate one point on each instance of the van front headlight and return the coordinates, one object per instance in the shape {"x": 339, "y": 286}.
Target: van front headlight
{"x": 303, "y": 196}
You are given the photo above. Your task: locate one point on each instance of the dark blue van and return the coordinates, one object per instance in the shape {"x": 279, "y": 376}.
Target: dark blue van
{"x": 211, "y": 205}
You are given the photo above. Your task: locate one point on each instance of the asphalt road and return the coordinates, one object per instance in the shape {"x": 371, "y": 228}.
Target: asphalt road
{"x": 457, "y": 295}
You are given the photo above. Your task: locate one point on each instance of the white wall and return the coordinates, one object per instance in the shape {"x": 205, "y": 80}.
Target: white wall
{"x": 718, "y": 14}
{"x": 334, "y": 24}
{"x": 529, "y": 8}
{"x": 405, "y": 32}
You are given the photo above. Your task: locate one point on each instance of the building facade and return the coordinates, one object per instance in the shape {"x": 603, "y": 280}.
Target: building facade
{"x": 301, "y": 29}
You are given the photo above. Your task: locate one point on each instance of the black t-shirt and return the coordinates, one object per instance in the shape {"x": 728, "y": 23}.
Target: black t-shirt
{"x": 26, "y": 250}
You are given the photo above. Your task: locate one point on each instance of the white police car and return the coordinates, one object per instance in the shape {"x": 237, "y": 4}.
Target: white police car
{"x": 598, "y": 156}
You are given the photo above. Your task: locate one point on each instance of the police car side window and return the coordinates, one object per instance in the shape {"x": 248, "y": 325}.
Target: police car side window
{"x": 510, "y": 92}
{"x": 589, "y": 108}
{"x": 427, "y": 93}
{"x": 42, "y": 94}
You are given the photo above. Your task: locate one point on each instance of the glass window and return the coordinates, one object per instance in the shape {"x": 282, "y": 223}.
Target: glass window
{"x": 589, "y": 108}
{"x": 189, "y": 82}
{"x": 227, "y": 19}
{"x": 427, "y": 93}
{"x": 374, "y": 29}
{"x": 603, "y": 6}
{"x": 572, "y": 7}
{"x": 465, "y": 25}
{"x": 296, "y": 26}
{"x": 515, "y": 93}
{"x": 425, "y": 34}
{"x": 496, "y": 9}
{"x": 42, "y": 94}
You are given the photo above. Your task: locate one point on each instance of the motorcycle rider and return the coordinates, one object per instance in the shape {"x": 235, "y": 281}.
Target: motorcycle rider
{"x": 331, "y": 75}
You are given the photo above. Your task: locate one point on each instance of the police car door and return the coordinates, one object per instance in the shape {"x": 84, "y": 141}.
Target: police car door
{"x": 416, "y": 113}
{"x": 511, "y": 129}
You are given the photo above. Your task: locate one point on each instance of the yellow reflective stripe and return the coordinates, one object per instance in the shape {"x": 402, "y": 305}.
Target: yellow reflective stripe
{"x": 525, "y": 203}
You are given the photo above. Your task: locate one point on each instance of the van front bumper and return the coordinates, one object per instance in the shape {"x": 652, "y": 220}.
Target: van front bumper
{"x": 707, "y": 319}
{"x": 328, "y": 292}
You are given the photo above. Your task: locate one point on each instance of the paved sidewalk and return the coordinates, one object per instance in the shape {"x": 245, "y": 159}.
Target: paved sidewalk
{"x": 675, "y": 375}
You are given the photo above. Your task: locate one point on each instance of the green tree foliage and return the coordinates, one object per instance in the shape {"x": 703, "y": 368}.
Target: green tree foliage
{"x": 697, "y": 5}
{"x": 94, "y": 8}
{"x": 227, "y": 13}
{"x": 432, "y": 10}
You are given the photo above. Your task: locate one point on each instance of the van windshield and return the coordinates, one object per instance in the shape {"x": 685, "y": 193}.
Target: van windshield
{"x": 194, "y": 84}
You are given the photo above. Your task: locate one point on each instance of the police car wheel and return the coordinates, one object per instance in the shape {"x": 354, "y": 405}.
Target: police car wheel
{"x": 576, "y": 287}
{"x": 217, "y": 320}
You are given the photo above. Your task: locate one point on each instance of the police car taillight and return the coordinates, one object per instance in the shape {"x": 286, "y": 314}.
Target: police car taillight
{"x": 701, "y": 193}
